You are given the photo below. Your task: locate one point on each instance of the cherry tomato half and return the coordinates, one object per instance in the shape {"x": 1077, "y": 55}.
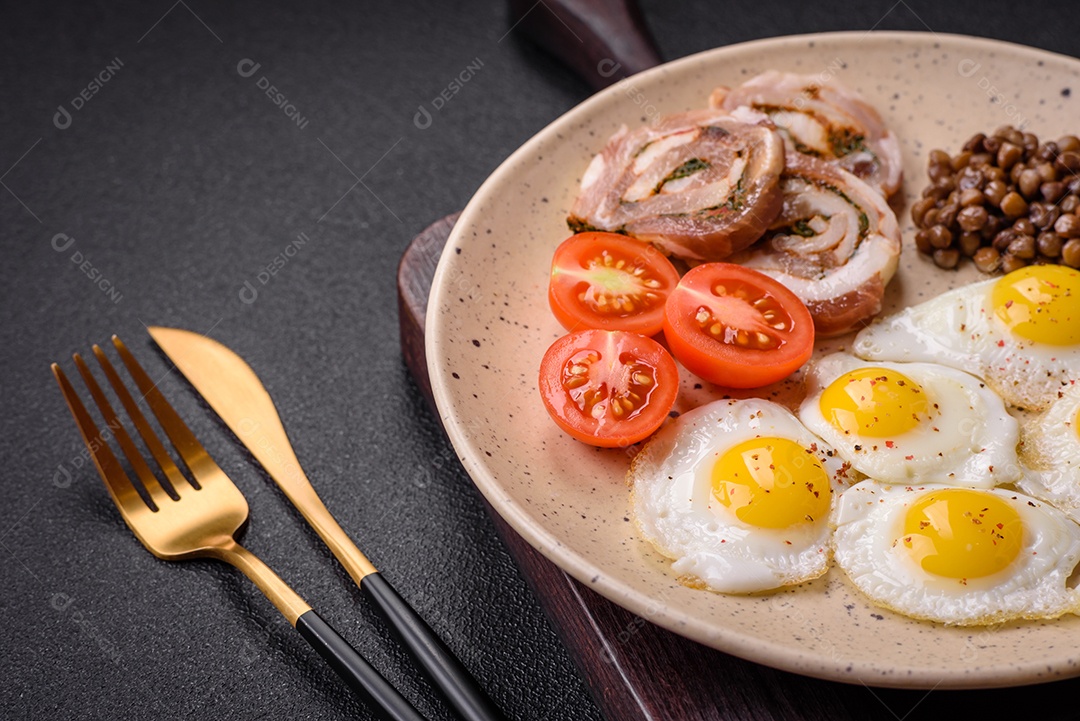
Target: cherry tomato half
{"x": 608, "y": 388}
{"x": 737, "y": 327}
{"x": 611, "y": 282}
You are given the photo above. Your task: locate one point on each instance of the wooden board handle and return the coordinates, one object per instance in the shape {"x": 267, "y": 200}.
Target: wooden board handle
{"x": 602, "y": 41}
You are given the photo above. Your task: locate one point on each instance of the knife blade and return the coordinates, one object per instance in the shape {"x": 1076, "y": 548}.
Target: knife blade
{"x": 235, "y": 393}
{"x": 231, "y": 388}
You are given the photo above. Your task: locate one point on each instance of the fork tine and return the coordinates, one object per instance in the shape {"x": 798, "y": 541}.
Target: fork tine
{"x": 146, "y": 431}
{"x": 127, "y": 445}
{"x": 116, "y": 479}
{"x": 183, "y": 440}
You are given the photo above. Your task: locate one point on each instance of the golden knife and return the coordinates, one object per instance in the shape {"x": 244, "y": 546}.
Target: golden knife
{"x": 237, "y": 395}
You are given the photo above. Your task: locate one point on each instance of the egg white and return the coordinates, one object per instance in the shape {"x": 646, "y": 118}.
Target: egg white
{"x": 970, "y": 440}
{"x": 1050, "y": 454}
{"x": 960, "y": 329}
{"x": 673, "y": 506}
{"x": 870, "y": 518}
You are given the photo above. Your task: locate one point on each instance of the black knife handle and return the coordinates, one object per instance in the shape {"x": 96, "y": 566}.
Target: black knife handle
{"x": 440, "y": 664}
{"x": 361, "y": 676}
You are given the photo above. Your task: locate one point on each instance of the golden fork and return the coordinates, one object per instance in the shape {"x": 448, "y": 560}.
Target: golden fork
{"x": 198, "y": 517}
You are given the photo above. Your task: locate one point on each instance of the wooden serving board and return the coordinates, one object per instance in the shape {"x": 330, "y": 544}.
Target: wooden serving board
{"x": 640, "y": 672}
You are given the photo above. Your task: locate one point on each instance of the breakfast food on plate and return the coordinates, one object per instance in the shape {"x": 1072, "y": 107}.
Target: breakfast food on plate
{"x": 608, "y": 388}
{"x": 1050, "y": 452}
{"x": 700, "y": 185}
{"x": 1005, "y": 200}
{"x": 822, "y": 119}
{"x": 836, "y": 244}
{"x": 738, "y": 494}
{"x": 903, "y": 460}
{"x": 1020, "y": 333}
{"x": 957, "y": 555}
{"x": 911, "y": 422}
{"x": 737, "y": 327}
{"x": 611, "y": 282}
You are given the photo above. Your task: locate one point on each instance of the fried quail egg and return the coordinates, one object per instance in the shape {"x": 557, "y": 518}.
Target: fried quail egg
{"x": 1020, "y": 333}
{"x": 738, "y": 494}
{"x": 902, "y": 422}
{"x": 1050, "y": 453}
{"x": 959, "y": 556}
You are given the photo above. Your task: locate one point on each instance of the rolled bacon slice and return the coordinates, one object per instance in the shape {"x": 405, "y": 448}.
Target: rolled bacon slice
{"x": 699, "y": 185}
{"x": 835, "y": 244}
{"x": 822, "y": 119}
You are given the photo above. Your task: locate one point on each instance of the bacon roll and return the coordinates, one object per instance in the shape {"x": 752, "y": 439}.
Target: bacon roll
{"x": 835, "y": 244}
{"x": 699, "y": 185}
{"x": 822, "y": 119}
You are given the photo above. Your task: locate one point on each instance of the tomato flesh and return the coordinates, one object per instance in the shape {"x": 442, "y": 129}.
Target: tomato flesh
{"x": 610, "y": 282}
{"x": 608, "y": 388}
{"x": 737, "y": 327}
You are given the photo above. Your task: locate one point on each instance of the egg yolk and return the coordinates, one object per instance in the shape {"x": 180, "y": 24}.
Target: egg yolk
{"x": 1040, "y": 303}
{"x": 772, "y": 483}
{"x": 874, "y": 403}
{"x": 962, "y": 533}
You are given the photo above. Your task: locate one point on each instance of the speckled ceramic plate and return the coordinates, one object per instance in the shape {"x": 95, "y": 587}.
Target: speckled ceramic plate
{"x": 489, "y": 325}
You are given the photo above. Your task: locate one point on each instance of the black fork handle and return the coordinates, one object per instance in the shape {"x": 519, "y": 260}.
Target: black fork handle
{"x": 361, "y": 676}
